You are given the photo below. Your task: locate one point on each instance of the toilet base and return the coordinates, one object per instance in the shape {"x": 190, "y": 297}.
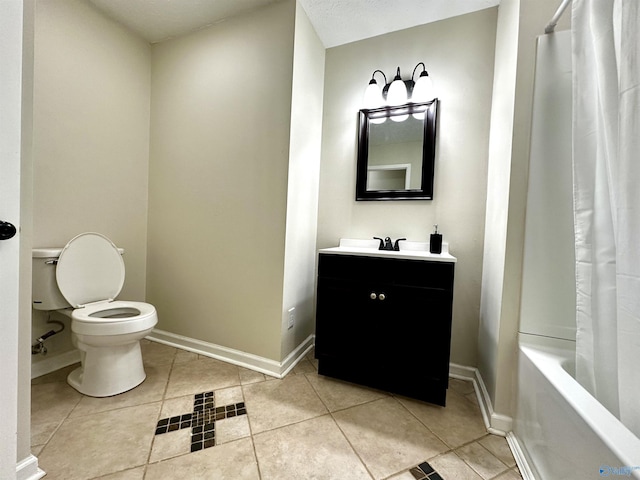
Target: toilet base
{"x": 108, "y": 371}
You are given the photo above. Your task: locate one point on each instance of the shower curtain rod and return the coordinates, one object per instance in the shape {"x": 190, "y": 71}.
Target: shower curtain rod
{"x": 551, "y": 26}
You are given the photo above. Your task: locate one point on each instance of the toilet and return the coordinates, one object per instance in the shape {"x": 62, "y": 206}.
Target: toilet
{"x": 87, "y": 275}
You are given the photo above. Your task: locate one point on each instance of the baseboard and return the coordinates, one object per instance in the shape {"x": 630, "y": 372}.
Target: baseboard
{"x": 27, "y": 469}
{"x": 496, "y": 423}
{"x": 235, "y": 357}
{"x": 53, "y": 363}
{"x": 521, "y": 460}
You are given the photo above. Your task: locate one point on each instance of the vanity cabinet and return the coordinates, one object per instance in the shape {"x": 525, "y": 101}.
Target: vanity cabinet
{"x": 385, "y": 323}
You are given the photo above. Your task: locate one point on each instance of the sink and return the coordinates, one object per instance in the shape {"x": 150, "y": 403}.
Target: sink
{"x": 408, "y": 249}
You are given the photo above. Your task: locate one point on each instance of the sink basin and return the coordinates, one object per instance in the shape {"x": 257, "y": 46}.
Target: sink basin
{"x": 408, "y": 249}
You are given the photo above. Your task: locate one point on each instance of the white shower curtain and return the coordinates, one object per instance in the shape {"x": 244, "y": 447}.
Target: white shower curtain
{"x": 606, "y": 170}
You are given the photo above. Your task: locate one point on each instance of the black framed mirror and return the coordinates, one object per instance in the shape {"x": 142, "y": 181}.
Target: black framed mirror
{"x": 396, "y": 152}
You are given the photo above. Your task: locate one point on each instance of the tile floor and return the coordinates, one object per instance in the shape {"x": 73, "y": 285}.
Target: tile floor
{"x": 304, "y": 426}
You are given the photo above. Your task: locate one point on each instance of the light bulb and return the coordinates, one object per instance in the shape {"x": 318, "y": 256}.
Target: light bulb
{"x": 372, "y": 96}
{"x": 397, "y": 94}
{"x": 423, "y": 89}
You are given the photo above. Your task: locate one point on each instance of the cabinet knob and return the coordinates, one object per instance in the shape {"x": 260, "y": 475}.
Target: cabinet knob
{"x": 373, "y": 296}
{"x": 382, "y": 296}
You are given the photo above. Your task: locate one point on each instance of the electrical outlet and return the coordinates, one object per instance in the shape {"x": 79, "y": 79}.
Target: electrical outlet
{"x": 292, "y": 318}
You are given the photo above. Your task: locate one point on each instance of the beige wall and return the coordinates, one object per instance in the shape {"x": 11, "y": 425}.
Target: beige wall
{"x": 459, "y": 55}
{"x": 303, "y": 179}
{"x": 91, "y": 138}
{"x": 221, "y": 111}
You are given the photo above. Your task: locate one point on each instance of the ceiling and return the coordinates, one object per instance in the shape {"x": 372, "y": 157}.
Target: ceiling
{"x": 336, "y": 21}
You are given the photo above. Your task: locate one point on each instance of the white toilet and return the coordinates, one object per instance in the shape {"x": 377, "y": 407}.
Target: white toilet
{"x": 88, "y": 274}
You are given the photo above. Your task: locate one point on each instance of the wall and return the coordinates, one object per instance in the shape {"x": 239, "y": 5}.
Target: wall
{"x": 220, "y": 122}
{"x": 303, "y": 179}
{"x": 91, "y": 137}
{"x": 548, "y": 305}
{"x": 519, "y": 23}
{"x": 459, "y": 55}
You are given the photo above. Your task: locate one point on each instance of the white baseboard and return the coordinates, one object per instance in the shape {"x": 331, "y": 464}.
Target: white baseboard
{"x": 521, "y": 460}
{"x": 27, "y": 469}
{"x": 236, "y": 357}
{"x": 496, "y": 423}
{"x": 53, "y": 363}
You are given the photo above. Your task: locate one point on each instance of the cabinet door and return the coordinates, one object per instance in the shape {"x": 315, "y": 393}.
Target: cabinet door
{"x": 344, "y": 311}
{"x": 415, "y": 329}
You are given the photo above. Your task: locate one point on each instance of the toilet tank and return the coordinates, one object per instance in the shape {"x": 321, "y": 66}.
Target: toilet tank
{"x": 45, "y": 292}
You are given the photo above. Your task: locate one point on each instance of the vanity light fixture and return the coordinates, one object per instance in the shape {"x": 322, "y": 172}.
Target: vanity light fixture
{"x": 399, "y": 91}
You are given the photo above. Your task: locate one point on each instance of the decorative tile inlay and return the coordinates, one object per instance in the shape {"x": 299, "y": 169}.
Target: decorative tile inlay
{"x": 424, "y": 471}
{"x": 202, "y": 420}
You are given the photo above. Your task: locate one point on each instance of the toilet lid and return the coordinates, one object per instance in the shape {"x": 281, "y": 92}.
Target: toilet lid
{"x": 90, "y": 269}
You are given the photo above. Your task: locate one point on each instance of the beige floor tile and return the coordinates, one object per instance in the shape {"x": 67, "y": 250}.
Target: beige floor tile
{"x": 231, "y": 429}
{"x": 35, "y": 450}
{"x": 387, "y": 437}
{"x": 499, "y": 447}
{"x": 276, "y": 403}
{"x": 93, "y": 445}
{"x": 481, "y": 460}
{"x": 450, "y": 466}
{"x": 512, "y": 474}
{"x": 403, "y": 476}
{"x": 231, "y": 461}
{"x": 311, "y": 357}
{"x": 154, "y": 353}
{"x": 227, "y": 396}
{"x": 311, "y": 449}
{"x": 184, "y": 356}
{"x": 304, "y": 366}
{"x": 151, "y": 390}
{"x": 170, "y": 444}
{"x": 41, "y": 432}
{"x": 57, "y": 376}
{"x": 463, "y": 387}
{"x": 338, "y": 395}
{"x": 177, "y": 406}
{"x": 201, "y": 375}
{"x": 458, "y": 423}
{"x": 52, "y": 402}
{"x": 250, "y": 376}
{"x": 131, "y": 474}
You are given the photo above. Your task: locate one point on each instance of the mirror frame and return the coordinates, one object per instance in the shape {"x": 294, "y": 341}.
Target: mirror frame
{"x": 428, "y": 152}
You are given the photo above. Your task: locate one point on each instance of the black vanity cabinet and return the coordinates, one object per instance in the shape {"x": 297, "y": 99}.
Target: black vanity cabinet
{"x": 385, "y": 323}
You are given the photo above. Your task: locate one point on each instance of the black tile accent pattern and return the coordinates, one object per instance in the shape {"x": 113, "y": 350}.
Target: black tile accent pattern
{"x": 424, "y": 471}
{"x": 202, "y": 420}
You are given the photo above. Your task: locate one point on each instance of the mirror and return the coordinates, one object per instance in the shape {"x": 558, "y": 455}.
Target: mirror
{"x": 396, "y": 152}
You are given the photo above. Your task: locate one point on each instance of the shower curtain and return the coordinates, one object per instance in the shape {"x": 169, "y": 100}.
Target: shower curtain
{"x": 606, "y": 171}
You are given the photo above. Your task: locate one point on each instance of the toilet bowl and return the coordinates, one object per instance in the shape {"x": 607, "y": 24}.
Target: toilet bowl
{"x": 90, "y": 274}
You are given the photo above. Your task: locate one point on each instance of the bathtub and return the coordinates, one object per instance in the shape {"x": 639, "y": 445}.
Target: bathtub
{"x": 560, "y": 429}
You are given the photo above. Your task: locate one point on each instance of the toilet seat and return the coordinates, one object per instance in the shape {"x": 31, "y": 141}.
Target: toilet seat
{"x": 90, "y": 269}
{"x": 90, "y": 274}
{"x": 108, "y": 318}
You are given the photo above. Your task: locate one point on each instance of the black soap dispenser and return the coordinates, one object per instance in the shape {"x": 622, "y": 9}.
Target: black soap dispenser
{"x": 435, "y": 243}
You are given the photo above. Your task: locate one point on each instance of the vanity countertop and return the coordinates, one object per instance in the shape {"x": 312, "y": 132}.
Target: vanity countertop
{"x": 408, "y": 250}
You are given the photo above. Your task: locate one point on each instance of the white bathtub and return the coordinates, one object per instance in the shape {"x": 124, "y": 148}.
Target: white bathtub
{"x": 562, "y": 431}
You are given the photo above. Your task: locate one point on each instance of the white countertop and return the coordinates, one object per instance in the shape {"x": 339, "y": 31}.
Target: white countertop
{"x": 408, "y": 250}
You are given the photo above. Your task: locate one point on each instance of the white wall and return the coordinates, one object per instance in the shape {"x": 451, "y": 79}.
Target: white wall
{"x": 519, "y": 23}
{"x": 221, "y": 113}
{"x": 91, "y": 138}
{"x": 548, "y": 304}
{"x": 303, "y": 179}
{"x": 459, "y": 55}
